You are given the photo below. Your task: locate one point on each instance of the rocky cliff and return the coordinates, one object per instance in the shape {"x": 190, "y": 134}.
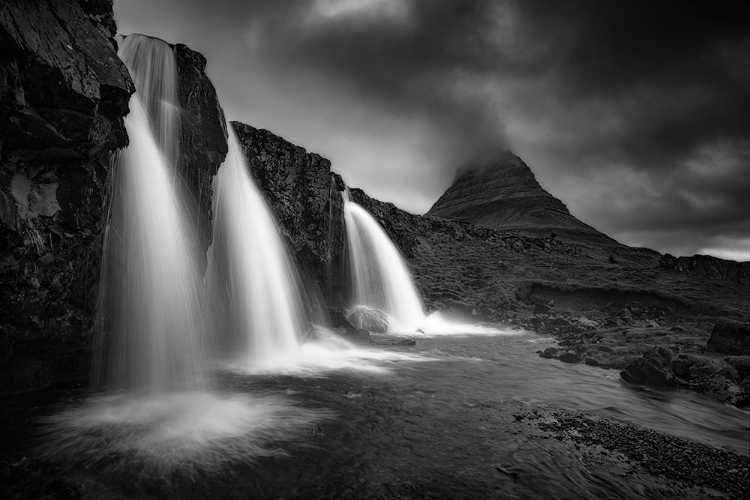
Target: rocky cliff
{"x": 63, "y": 93}
{"x": 500, "y": 191}
{"x": 203, "y": 136}
{"x": 305, "y": 197}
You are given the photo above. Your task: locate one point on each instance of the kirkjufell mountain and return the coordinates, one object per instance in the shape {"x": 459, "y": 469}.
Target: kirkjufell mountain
{"x": 499, "y": 190}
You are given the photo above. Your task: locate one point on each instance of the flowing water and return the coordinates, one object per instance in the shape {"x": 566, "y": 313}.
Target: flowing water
{"x": 435, "y": 420}
{"x": 255, "y": 314}
{"x": 380, "y": 278}
{"x": 149, "y": 336}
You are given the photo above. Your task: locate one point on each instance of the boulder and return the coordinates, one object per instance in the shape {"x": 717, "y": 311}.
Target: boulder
{"x": 569, "y": 357}
{"x": 369, "y": 319}
{"x": 654, "y": 368}
{"x": 730, "y": 337}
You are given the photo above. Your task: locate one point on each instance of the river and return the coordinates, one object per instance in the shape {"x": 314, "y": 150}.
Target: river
{"x": 435, "y": 420}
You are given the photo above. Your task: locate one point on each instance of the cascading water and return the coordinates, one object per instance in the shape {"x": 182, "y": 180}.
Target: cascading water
{"x": 256, "y": 311}
{"x": 149, "y": 347}
{"x": 380, "y": 278}
{"x": 149, "y": 307}
{"x": 153, "y": 68}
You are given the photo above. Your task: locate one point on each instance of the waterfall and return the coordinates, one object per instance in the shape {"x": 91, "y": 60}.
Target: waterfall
{"x": 148, "y": 316}
{"x": 380, "y": 278}
{"x": 256, "y": 313}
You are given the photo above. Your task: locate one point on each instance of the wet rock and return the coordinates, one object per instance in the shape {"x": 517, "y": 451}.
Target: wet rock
{"x": 654, "y": 368}
{"x": 305, "y": 197}
{"x": 540, "y": 308}
{"x": 203, "y": 137}
{"x": 366, "y": 318}
{"x": 549, "y": 353}
{"x": 730, "y": 337}
{"x": 63, "y": 95}
{"x": 569, "y": 357}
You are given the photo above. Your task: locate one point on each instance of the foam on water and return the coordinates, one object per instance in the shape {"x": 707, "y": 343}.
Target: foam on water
{"x": 187, "y": 432}
{"x": 328, "y": 353}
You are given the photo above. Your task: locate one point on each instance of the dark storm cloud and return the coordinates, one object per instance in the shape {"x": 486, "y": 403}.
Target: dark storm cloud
{"x": 406, "y": 58}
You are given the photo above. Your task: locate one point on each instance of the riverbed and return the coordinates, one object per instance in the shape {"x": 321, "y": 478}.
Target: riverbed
{"x": 450, "y": 417}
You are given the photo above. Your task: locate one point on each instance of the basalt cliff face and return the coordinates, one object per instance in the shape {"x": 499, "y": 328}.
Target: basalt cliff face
{"x": 500, "y": 191}
{"x": 203, "y": 137}
{"x": 63, "y": 95}
{"x": 305, "y": 197}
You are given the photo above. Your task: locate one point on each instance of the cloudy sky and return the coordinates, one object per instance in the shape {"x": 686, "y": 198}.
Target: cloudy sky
{"x": 635, "y": 114}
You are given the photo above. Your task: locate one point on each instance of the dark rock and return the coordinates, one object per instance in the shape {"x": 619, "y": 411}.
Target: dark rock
{"x": 707, "y": 266}
{"x": 730, "y": 337}
{"x": 591, "y": 362}
{"x": 63, "y": 94}
{"x": 549, "y": 352}
{"x": 366, "y": 318}
{"x": 540, "y": 308}
{"x": 305, "y": 197}
{"x": 654, "y": 368}
{"x": 741, "y": 364}
{"x": 569, "y": 357}
{"x": 203, "y": 136}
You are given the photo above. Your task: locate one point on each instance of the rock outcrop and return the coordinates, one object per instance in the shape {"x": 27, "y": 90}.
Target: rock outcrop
{"x": 305, "y": 197}
{"x": 500, "y": 191}
{"x": 730, "y": 337}
{"x": 706, "y": 266}
{"x": 63, "y": 93}
{"x": 203, "y": 136}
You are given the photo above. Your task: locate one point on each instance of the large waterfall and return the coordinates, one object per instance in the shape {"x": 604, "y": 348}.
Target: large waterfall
{"x": 149, "y": 337}
{"x": 380, "y": 278}
{"x": 255, "y": 304}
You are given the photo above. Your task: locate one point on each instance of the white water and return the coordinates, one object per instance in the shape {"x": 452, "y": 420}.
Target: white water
{"x": 153, "y": 67}
{"x": 190, "y": 432}
{"x": 255, "y": 311}
{"x": 380, "y": 278}
{"x": 148, "y": 337}
{"x": 149, "y": 300}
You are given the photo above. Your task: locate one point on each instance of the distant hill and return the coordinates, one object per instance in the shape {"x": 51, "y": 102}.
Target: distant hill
{"x": 500, "y": 191}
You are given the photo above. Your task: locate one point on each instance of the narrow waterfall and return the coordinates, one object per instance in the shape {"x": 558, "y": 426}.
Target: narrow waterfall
{"x": 380, "y": 278}
{"x": 256, "y": 314}
{"x": 148, "y": 337}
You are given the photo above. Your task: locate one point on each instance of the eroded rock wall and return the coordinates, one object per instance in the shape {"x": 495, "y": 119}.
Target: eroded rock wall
{"x": 305, "y": 197}
{"x": 203, "y": 137}
{"x": 63, "y": 93}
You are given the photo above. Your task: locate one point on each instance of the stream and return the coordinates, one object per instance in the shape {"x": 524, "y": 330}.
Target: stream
{"x": 435, "y": 420}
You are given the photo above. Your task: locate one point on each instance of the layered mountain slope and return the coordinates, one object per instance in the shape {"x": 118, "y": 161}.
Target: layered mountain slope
{"x": 500, "y": 191}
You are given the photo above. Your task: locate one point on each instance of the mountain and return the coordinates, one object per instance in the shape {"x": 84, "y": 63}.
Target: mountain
{"x": 500, "y": 191}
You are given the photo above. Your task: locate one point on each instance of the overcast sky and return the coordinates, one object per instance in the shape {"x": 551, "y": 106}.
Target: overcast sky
{"x": 635, "y": 114}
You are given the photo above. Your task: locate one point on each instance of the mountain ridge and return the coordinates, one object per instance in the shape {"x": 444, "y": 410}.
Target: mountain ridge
{"x": 502, "y": 192}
